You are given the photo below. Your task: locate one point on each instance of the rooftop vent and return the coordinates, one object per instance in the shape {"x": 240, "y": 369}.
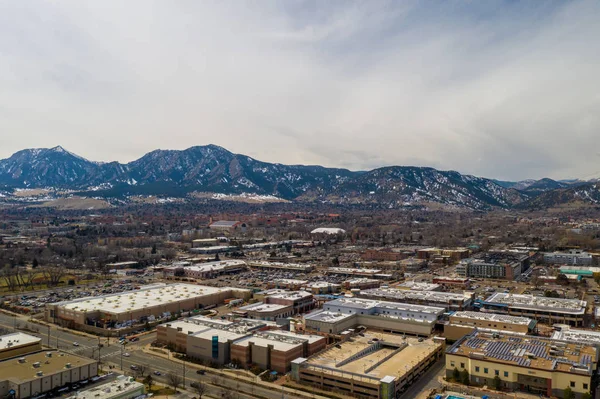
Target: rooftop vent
{"x": 68, "y": 365}
{"x": 39, "y": 373}
{"x": 21, "y": 360}
{"x": 48, "y": 354}
{"x": 37, "y": 364}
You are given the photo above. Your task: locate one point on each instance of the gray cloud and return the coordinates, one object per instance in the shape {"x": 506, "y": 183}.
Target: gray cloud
{"x": 499, "y": 89}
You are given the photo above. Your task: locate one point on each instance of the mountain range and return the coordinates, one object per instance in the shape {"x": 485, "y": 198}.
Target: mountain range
{"x": 213, "y": 169}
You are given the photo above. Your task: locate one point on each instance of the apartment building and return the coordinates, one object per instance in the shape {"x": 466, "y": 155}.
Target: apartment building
{"x": 572, "y": 257}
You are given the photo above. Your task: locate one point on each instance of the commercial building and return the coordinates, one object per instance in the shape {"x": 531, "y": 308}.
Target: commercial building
{"x": 328, "y": 230}
{"x": 126, "y": 309}
{"x": 419, "y": 286}
{"x": 348, "y": 271}
{"x": 227, "y": 225}
{"x": 582, "y": 271}
{"x": 549, "y": 310}
{"x": 18, "y": 344}
{"x": 247, "y": 341}
{"x": 265, "y": 311}
{"x": 340, "y": 314}
{"x": 444, "y": 281}
{"x": 287, "y": 283}
{"x": 322, "y": 288}
{"x": 443, "y": 256}
{"x": 446, "y": 300}
{"x": 530, "y": 364}
{"x": 292, "y": 267}
{"x": 300, "y": 301}
{"x": 573, "y": 257}
{"x": 498, "y": 265}
{"x": 378, "y": 365}
{"x": 207, "y": 339}
{"x": 464, "y": 323}
{"x": 207, "y": 270}
{"x": 122, "y": 387}
{"x": 42, "y": 372}
{"x": 384, "y": 255}
{"x": 275, "y": 350}
{"x": 412, "y": 265}
{"x": 361, "y": 283}
{"x": 569, "y": 334}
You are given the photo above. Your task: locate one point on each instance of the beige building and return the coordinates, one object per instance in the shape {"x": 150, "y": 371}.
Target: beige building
{"x": 41, "y": 372}
{"x": 344, "y": 313}
{"x": 17, "y": 344}
{"x": 464, "y": 323}
{"x": 522, "y": 363}
{"x": 376, "y": 365}
{"x": 149, "y": 303}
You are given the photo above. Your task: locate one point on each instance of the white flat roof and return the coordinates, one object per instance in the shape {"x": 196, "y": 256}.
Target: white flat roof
{"x": 263, "y": 307}
{"x": 292, "y": 295}
{"x": 120, "y": 387}
{"x": 15, "y": 340}
{"x": 327, "y": 316}
{"x": 574, "y": 335}
{"x": 493, "y": 317}
{"x": 290, "y": 281}
{"x": 145, "y": 297}
{"x": 559, "y": 305}
{"x": 211, "y": 266}
{"x": 433, "y": 296}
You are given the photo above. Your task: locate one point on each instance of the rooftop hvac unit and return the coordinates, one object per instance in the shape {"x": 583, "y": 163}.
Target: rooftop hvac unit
{"x": 48, "y": 354}
{"x": 39, "y": 373}
{"x": 37, "y": 364}
{"x": 21, "y": 360}
{"x": 68, "y": 365}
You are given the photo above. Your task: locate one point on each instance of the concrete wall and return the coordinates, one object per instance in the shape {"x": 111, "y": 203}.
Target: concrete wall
{"x": 49, "y": 382}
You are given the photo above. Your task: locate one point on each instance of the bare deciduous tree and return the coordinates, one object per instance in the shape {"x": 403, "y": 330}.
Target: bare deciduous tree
{"x": 174, "y": 380}
{"x": 53, "y": 274}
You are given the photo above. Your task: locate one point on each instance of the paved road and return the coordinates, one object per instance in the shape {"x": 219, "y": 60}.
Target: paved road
{"x": 113, "y": 354}
{"x": 429, "y": 380}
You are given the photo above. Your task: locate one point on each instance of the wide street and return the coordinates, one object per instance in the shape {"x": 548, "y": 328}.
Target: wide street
{"x": 112, "y": 354}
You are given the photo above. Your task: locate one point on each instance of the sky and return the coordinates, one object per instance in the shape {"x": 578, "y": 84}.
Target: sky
{"x": 500, "y": 89}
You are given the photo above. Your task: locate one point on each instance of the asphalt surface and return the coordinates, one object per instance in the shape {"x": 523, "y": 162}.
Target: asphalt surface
{"x": 429, "y": 380}
{"x": 113, "y": 358}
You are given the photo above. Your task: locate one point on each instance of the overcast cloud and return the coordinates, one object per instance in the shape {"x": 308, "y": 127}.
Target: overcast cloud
{"x": 497, "y": 89}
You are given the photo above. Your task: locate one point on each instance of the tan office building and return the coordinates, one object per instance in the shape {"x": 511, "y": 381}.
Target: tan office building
{"x": 41, "y": 372}
{"x": 463, "y": 323}
{"x": 18, "y": 344}
{"x": 530, "y": 364}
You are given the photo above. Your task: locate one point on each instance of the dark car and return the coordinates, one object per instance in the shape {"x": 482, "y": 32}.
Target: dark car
{"x": 201, "y": 372}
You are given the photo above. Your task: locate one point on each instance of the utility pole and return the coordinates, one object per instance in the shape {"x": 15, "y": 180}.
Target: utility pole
{"x": 48, "y": 335}
{"x": 122, "y": 357}
{"x": 184, "y": 373}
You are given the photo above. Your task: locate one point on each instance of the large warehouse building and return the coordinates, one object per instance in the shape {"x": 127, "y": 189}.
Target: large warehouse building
{"x": 126, "y": 309}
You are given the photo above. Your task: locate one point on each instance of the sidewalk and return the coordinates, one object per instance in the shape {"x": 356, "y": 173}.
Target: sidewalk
{"x": 478, "y": 391}
{"x": 236, "y": 375}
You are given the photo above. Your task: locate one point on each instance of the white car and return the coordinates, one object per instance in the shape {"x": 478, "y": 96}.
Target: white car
{"x": 126, "y": 354}
{"x": 75, "y": 343}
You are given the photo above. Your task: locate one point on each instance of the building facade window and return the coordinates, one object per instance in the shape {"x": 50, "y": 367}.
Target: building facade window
{"x": 506, "y": 373}
{"x": 485, "y": 370}
{"x": 572, "y": 384}
{"x": 477, "y": 369}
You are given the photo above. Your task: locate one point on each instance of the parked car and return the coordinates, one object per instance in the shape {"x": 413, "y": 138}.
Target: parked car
{"x": 157, "y": 373}
{"x": 75, "y": 343}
